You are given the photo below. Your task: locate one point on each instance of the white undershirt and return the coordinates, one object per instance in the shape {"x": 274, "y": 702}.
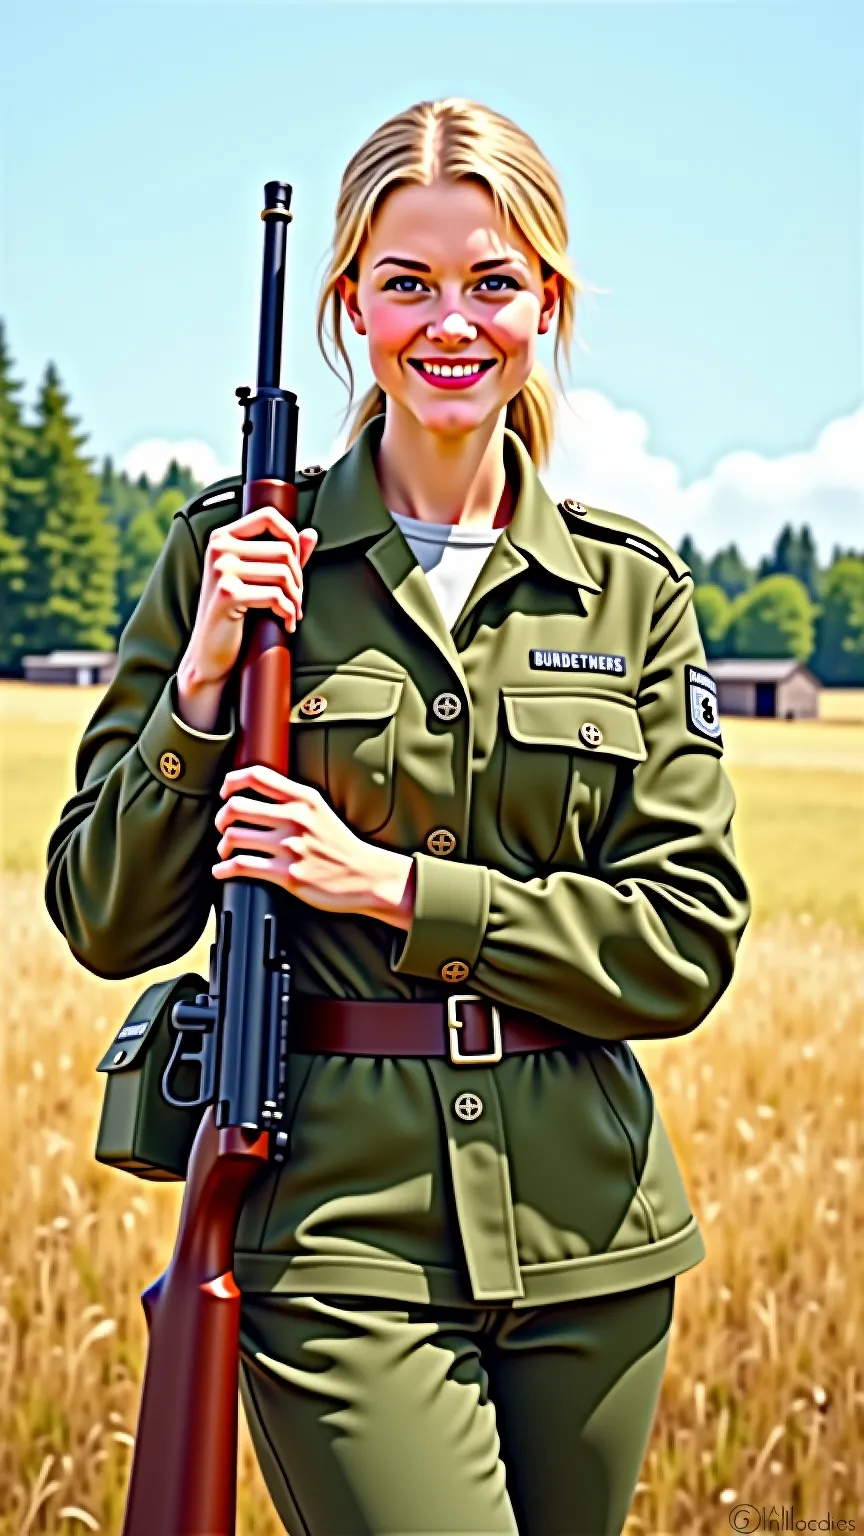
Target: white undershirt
{"x": 451, "y": 556}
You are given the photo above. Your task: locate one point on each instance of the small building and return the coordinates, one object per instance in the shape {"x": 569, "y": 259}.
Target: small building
{"x": 781, "y": 690}
{"x": 81, "y": 667}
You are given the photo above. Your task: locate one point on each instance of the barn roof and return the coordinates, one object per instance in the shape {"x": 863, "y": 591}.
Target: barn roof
{"x": 71, "y": 659}
{"x": 744, "y": 670}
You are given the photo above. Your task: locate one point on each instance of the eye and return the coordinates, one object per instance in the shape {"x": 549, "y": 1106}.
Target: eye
{"x": 499, "y": 277}
{"x": 392, "y": 282}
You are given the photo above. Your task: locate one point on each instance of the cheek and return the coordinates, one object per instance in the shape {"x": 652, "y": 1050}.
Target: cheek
{"x": 388, "y": 331}
{"x": 515, "y": 326}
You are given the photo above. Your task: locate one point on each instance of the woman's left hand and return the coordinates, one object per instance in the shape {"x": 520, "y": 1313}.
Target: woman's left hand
{"x": 295, "y": 840}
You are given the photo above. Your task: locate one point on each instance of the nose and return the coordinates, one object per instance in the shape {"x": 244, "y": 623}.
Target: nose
{"x": 454, "y": 327}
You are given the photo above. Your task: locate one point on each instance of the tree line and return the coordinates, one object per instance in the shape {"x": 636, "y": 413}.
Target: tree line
{"x": 787, "y": 606}
{"x": 77, "y": 545}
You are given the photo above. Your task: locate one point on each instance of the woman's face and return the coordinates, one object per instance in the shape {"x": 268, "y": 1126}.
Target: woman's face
{"x": 441, "y": 285}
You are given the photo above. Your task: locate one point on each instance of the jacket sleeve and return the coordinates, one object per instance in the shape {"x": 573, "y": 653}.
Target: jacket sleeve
{"x": 644, "y": 944}
{"x": 129, "y": 882}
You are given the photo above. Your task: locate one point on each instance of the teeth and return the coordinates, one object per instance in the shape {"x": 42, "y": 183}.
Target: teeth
{"x": 457, "y": 371}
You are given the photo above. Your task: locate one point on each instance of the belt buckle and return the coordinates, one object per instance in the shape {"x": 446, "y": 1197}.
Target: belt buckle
{"x": 478, "y": 1058}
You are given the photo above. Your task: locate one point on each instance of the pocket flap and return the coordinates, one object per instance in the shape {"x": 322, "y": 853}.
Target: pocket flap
{"x": 347, "y": 696}
{"x": 582, "y": 721}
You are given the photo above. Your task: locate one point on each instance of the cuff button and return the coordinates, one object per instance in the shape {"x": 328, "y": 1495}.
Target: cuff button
{"x": 454, "y": 970}
{"x": 441, "y": 842}
{"x": 171, "y": 766}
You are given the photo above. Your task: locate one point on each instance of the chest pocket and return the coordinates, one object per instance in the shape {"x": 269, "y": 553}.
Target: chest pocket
{"x": 562, "y": 754}
{"x": 343, "y": 736}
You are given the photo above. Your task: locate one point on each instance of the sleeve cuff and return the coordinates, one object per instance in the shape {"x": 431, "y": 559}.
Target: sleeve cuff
{"x": 451, "y": 910}
{"x": 190, "y": 761}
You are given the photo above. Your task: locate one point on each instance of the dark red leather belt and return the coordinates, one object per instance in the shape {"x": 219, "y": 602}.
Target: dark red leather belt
{"x": 467, "y": 1028}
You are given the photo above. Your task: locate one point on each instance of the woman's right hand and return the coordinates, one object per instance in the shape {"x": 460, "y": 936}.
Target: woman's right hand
{"x": 244, "y": 569}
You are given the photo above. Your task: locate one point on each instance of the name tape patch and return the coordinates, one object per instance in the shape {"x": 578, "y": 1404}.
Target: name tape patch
{"x": 576, "y": 661}
{"x": 703, "y": 716}
{"x": 130, "y": 1031}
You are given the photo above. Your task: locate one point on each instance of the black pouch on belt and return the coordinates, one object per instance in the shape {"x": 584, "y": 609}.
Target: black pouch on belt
{"x": 139, "y": 1131}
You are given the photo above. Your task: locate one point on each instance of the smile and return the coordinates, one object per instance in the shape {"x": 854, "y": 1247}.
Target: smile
{"x": 452, "y": 375}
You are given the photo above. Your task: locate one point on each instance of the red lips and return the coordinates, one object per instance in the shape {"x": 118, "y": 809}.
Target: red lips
{"x": 462, "y": 382}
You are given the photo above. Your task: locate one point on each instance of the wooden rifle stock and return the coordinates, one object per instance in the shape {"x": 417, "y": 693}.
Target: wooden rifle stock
{"x": 183, "y": 1477}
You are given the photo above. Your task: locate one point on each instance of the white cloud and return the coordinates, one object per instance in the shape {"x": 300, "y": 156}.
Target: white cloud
{"x": 152, "y": 457}
{"x": 601, "y": 456}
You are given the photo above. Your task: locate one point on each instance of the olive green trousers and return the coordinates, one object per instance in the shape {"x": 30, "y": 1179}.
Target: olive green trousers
{"x": 372, "y": 1417}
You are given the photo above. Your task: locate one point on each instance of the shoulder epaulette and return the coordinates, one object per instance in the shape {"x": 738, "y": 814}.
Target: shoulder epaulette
{"x": 221, "y": 492}
{"x": 623, "y": 537}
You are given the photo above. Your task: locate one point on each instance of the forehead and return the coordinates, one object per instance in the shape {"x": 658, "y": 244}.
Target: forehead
{"x": 446, "y": 221}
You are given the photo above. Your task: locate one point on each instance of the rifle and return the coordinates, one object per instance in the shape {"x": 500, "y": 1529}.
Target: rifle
{"x": 184, "y": 1467}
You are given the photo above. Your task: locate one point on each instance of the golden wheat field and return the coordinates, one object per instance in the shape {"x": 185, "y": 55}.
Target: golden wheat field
{"x": 763, "y": 1398}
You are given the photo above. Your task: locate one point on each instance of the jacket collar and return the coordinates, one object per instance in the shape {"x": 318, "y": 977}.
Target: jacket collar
{"x": 349, "y": 508}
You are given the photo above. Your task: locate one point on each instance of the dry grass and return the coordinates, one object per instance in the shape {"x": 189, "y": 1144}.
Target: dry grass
{"x": 763, "y": 1399}
{"x": 763, "y": 1394}
{"x": 841, "y": 704}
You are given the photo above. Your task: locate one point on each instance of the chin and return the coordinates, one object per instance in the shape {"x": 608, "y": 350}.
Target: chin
{"x": 450, "y": 417}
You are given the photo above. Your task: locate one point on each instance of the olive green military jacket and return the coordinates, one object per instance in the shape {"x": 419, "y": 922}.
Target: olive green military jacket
{"x": 565, "y": 736}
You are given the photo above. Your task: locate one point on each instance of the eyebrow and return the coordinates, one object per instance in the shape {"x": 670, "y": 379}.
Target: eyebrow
{"x": 420, "y": 266}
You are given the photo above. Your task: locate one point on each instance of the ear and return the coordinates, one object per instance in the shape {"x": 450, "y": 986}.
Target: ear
{"x": 346, "y": 287}
{"x": 551, "y": 299}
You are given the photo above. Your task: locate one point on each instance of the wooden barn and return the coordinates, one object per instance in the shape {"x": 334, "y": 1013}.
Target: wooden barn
{"x": 781, "y": 690}
{"x": 71, "y": 667}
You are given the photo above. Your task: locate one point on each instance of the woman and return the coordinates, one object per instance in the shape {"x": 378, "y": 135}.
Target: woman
{"x": 504, "y": 850}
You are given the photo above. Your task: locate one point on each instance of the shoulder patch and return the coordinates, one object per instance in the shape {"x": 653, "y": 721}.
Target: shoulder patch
{"x": 620, "y": 536}
{"x": 703, "y": 716}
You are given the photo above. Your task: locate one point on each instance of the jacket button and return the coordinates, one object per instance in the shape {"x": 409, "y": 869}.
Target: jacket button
{"x": 441, "y": 841}
{"x": 590, "y": 734}
{"x": 575, "y": 506}
{"x": 314, "y": 705}
{"x": 454, "y": 970}
{"x": 447, "y": 706}
{"x": 171, "y": 765}
{"x": 468, "y": 1106}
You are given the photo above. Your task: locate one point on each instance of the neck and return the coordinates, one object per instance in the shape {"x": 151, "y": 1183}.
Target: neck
{"x": 444, "y": 480}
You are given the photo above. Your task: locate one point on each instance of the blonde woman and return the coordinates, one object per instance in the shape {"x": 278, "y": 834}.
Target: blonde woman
{"x": 504, "y": 850}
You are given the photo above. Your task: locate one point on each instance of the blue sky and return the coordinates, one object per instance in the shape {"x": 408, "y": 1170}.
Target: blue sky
{"x": 711, "y": 156}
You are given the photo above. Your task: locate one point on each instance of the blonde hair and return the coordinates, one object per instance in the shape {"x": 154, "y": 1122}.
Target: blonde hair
{"x": 455, "y": 139}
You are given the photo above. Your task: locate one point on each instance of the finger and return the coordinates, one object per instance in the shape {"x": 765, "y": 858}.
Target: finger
{"x": 251, "y": 524}
{"x": 277, "y": 551}
{"x": 308, "y": 540}
{"x": 249, "y": 865}
{"x": 288, "y": 578}
{"x": 268, "y": 780}
{"x": 261, "y": 813}
{"x": 243, "y": 597}
{"x": 249, "y": 841}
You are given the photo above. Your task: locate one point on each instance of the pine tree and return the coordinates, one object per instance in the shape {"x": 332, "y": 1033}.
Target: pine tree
{"x": 70, "y": 590}
{"x": 839, "y": 656}
{"x": 727, "y": 569}
{"x": 794, "y": 554}
{"x": 15, "y": 490}
{"x": 695, "y": 563}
